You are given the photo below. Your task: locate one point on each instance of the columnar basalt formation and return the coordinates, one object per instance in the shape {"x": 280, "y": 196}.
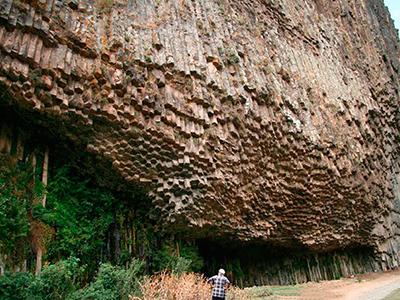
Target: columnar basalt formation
{"x": 268, "y": 121}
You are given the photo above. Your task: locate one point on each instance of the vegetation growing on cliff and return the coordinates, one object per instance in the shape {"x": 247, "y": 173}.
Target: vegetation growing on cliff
{"x": 18, "y": 191}
{"x": 90, "y": 231}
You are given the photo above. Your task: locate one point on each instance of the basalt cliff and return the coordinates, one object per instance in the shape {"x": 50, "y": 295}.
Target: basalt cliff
{"x": 252, "y": 122}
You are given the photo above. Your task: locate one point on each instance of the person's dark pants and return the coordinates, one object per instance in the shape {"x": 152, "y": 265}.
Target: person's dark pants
{"x": 218, "y": 298}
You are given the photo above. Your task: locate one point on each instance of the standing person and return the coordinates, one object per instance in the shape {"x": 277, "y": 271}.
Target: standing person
{"x": 220, "y": 284}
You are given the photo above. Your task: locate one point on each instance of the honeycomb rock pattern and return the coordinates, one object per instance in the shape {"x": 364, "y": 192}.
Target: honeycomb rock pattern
{"x": 258, "y": 120}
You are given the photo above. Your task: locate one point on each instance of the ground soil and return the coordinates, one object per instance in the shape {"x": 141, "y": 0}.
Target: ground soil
{"x": 371, "y": 286}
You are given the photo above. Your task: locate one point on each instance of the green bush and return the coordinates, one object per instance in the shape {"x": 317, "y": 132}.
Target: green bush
{"x": 83, "y": 221}
{"x": 186, "y": 259}
{"x": 14, "y": 286}
{"x": 17, "y": 192}
{"x": 181, "y": 265}
{"x": 112, "y": 283}
{"x": 81, "y": 216}
{"x": 192, "y": 253}
{"x": 57, "y": 281}
{"x": 64, "y": 280}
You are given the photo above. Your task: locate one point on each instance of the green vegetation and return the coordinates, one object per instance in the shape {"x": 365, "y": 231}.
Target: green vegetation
{"x": 97, "y": 244}
{"x": 148, "y": 59}
{"x": 286, "y": 290}
{"x": 112, "y": 282}
{"x": 231, "y": 57}
{"x": 36, "y": 77}
{"x": 269, "y": 292}
{"x": 65, "y": 280}
{"x": 18, "y": 191}
{"x": 178, "y": 258}
{"x": 14, "y": 286}
{"x": 80, "y": 215}
{"x": 56, "y": 281}
{"x": 259, "y": 292}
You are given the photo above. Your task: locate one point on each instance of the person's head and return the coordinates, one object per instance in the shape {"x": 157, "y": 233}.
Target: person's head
{"x": 221, "y": 272}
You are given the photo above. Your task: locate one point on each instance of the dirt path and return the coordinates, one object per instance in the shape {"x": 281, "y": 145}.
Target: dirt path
{"x": 372, "y": 286}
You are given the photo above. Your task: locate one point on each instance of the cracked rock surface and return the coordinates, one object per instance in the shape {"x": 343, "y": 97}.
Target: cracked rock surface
{"x": 258, "y": 120}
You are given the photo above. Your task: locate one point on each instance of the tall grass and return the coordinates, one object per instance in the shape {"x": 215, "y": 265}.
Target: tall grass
{"x": 187, "y": 286}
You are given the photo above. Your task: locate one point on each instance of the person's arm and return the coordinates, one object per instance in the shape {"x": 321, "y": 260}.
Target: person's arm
{"x": 227, "y": 283}
{"x": 211, "y": 280}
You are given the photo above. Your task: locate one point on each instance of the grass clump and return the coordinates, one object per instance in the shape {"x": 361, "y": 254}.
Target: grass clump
{"x": 168, "y": 286}
{"x": 104, "y": 6}
{"x": 231, "y": 57}
{"x": 259, "y": 292}
{"x": 286, "y": 290}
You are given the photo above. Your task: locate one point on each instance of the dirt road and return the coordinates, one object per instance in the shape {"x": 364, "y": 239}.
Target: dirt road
{"x": 372, "y": 286}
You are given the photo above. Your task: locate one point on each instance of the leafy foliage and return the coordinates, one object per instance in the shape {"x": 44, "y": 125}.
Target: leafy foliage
{"x": 191, "y": 252}
{"x": 14, "y": 286}
{"x": 178, "y": 258}
{"x": 81, "y": 216}
{"x": 64, "y": 280}
{"x": 84, "y": 222}
{"x": 17, "y": 191}
{"x": 113, "y": 283}
{"x": 56, "y": 281}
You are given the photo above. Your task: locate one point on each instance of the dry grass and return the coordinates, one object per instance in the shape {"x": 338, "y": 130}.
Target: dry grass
{"x": 235, "y": 293}
{"x": 188, "y": 286}
{"x": 104, "y": 5}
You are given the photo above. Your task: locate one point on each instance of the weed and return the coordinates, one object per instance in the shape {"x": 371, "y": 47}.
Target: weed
{"x": 104, "y": 6}
{"x": 36, "y": 77}
{"x": 127, "y": 37}
{"x": 286, "y": 290}
{"x": 148, "y": 59}
{"x": 231, "y": 57}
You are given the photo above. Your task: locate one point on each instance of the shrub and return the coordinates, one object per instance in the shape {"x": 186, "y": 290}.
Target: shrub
{"x": 186, "y": 259}
{"x": 259, "y": 291}
{"x": 112, "y": 283}
{"x": 56, "y": 281}
{"x": 192, "y": 253}
{"x": 81, "y": 216}
{"x": 186, "y": 286}
{"x": 64, "y": 279}
{"x": 17, "y": 192}
{"x": 231, "y": 57}
{"x": 14, "y": 286}
{"x": 168, "y": 286}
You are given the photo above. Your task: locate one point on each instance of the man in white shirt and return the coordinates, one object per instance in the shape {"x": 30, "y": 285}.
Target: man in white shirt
{"x": 220, "y": 284}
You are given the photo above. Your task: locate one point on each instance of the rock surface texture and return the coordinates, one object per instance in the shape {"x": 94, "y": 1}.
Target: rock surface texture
{"x": 256, "y": 120}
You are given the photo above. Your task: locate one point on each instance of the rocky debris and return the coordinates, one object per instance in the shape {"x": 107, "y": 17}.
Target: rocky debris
{"x": 263, "y": 120}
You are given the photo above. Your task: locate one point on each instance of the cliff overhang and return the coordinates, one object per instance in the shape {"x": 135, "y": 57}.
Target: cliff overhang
{"x": 245, "y": 120}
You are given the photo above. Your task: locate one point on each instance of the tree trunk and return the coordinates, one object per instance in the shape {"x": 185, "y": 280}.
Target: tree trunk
{"x": 39, "y": 254}
{"x": 39, "y": 251}
{"x": 45, "y": 174}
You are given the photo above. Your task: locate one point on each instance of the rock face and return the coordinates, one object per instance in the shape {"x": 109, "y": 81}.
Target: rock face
{"x": 255, "y": 120}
